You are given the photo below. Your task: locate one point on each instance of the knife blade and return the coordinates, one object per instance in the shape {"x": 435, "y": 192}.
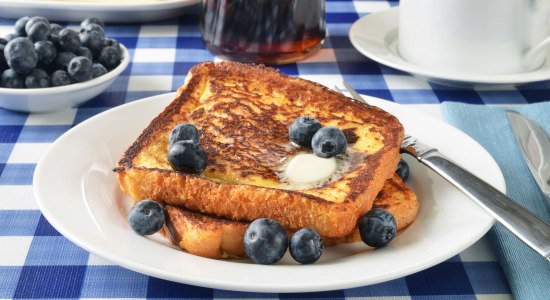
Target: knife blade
{"x": 526, "y": 226}
{"x": 535, "y": 148}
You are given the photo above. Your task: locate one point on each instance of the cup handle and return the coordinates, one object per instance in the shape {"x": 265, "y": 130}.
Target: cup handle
{"x": 535, "y": 50}
{"x": 531, "y": 53}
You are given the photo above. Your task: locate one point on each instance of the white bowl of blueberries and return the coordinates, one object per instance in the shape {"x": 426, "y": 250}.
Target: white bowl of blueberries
{"x": 45, "y": 67}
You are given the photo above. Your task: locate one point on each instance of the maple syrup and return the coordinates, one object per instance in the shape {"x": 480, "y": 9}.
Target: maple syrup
{"x": 263, "y": 31}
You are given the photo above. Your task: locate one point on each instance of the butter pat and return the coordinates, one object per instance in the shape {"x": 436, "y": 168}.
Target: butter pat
{"x": 309, "y": 168}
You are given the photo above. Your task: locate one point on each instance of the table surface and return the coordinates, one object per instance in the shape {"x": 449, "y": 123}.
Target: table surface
{"x": 37, "y": 262}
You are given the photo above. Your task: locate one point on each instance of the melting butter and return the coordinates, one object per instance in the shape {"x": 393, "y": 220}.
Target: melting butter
{"x": 309, "y": 168}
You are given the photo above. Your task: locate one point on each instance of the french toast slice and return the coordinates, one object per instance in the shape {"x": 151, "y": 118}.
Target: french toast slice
{"x": 243, "y": 113}
{"x": 216, "y": 237}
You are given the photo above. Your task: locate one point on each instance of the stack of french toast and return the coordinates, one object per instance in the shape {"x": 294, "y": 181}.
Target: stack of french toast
{"x": 243, "y": 113}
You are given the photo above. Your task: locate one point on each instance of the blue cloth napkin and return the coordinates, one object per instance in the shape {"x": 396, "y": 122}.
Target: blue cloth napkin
{"x": 527, "y": 272}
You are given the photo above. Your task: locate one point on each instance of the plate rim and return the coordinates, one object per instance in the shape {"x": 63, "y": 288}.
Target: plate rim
{"x": 66, "y": 5}
{"x": 212, "y": 283}
{"x": 463, "y": 80}
{"x": 109, "y": 12}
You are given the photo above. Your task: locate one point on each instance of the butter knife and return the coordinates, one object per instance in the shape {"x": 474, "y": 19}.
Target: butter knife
{"x": 535, "y": 147}
{"x": 527, "y": 227}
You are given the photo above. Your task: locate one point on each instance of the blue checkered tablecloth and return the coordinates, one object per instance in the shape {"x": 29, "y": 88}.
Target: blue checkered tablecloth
{"x": 36, "y": 262}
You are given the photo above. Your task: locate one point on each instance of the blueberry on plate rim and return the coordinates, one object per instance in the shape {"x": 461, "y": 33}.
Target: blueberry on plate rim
{"x": 265, "y": 241}
{"x": 403, "y": 170}
{"x": 146, "y": 217}
{"x": 377, "y": 227}
{"x": 306, "y": 246}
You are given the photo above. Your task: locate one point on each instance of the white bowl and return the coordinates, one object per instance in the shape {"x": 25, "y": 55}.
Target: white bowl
{"x": 52, "y": 99}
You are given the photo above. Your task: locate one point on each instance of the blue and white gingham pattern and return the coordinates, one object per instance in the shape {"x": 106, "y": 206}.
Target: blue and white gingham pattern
{"x": 36, "y": 262}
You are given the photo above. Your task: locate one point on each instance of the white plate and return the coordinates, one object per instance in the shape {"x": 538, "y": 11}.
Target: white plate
{"x": 78, "y": 193}
{"x": 43, "y": 100}
{"x": 375, "y": 36}
{"x": 108, "y": 11}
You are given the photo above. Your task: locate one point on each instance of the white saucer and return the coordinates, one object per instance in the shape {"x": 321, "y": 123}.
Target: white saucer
{"x": 375, "y": 36}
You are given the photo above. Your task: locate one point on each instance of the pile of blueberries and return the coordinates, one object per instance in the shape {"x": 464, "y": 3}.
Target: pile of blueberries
{"x": 40, "y": 54}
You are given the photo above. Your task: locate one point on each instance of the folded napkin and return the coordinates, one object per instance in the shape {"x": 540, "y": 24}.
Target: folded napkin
{"x": 527, "y": 272}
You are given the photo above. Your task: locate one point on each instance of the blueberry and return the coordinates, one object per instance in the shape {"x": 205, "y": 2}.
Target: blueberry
{"x": 92, "y": 20}
{"x": 39, "y": 31}
{"x": 3, "y": 41}
{"x": 10, "y": 36}
{"x": 80, "y": 69}
{"x": 186, "y": 156}
{"x": 184, "y": 132}
{"x": 83, "y": 51}
{"x": 69, "y": 40}
{"x": 98, "y": 70}
{"x": 46, "y": 52}
{"x": 110, "y": 57}
{"x": 38, "y": 78}
{"x": 11, "y": 79}
{"x": 302, "y": 129}
{"x": 93, "y": 40}
{"x": 146, "y": 217}
{"x": 328, "y": 142}
{"x": 109, "y": 42}
{"x": 21, "y": 55}
{"x": 20, "y": 26}
{"x": 3, "y": 62}
{"x": 403, "y": 170}
{"x": 33, "y": 20}
{"x": 377, "y": 228}
{"x": 59, "y": 78}
{"x": 93, "y": 27}
{"x": 62, "y": 60}
{"x": 306, "y": 246}
{"x": 55, "y": 28}
{"x": 54, "y": 34}
{"x": 265, "y": 241}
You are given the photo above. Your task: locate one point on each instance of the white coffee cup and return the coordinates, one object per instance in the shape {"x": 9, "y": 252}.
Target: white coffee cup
{"x": 475, "y": 36}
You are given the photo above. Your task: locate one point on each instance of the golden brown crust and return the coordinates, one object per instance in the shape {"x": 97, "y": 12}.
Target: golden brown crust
{"x": 243, "y": 113}
{"x": 399, "y": 200}
{"x": 216, "y": 237}
{"x": 204, "y": 235}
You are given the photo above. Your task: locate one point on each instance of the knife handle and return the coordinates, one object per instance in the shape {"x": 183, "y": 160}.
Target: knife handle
{"x": 529, "y": 228}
